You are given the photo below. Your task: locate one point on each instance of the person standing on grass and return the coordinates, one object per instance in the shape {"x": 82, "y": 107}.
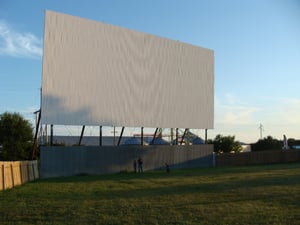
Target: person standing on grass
{"x": 140, "y": 164}
{"x": 167, "y": 168}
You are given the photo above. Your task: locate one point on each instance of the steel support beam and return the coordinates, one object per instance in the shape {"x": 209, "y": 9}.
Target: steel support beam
{"x": 81, "y": 135}
{"x": 119, "y": 141}
{"x": 172, "y": 136}
{"x": 51, "y": 134}
{"x": 176, "y": 141}
{"x": 142, "y": 136}
{"x": 114, "y": 136}
{"x": 35, "y": 145}
{"x": 183, "y": 136}
{"x": 46, "y": 134}
{"x": 100, "y": 136}
{"x": 154, "y": 136}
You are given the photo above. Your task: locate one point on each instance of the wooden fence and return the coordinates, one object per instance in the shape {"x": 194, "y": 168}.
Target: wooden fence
{"x": 17, "y": 172}
{"x": 254, "y": 158}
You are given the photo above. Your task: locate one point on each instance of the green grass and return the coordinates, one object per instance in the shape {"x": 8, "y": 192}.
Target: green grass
{"x": 237, "y": 195}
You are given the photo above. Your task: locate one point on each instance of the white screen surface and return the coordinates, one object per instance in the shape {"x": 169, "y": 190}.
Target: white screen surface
{"x": 99, "y": 74}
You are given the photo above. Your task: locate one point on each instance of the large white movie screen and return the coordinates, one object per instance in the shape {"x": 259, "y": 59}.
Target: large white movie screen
{"x": 99, "y": 74}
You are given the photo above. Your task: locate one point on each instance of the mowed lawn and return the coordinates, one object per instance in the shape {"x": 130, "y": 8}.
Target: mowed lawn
{"x": 267, "y": 194}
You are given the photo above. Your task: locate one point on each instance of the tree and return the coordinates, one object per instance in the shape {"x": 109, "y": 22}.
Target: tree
{"x": 225, "y": 144}
{"x": 268, "y": 143}
{"x": 16, "y": 137}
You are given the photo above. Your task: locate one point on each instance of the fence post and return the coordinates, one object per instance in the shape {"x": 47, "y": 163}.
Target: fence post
{"x": 33, "y": 172}
{"x": 28, "y": 172}
{"x": 3, "y": 175}
{"x": 12, "y": 175}
{"x": 21, "y": 174}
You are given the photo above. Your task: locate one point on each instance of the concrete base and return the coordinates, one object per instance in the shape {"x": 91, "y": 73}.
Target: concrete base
{"x": 60, "y": 161}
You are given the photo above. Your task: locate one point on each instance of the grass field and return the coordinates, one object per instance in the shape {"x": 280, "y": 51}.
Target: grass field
{"x": 238, "y": 195}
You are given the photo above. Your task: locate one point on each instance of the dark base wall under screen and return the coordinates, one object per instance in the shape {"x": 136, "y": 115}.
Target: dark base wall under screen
{"x": 57, "y": 161}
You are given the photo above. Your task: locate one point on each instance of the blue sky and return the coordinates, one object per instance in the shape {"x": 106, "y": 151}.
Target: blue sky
{"x": 256, "y": 44}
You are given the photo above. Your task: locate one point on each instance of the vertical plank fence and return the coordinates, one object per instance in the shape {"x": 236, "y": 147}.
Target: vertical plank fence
{"x": 16, "y": 173}
{"x": 255, "y": 158}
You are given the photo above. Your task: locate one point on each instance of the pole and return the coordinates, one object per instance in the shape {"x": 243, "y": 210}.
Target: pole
{"x": 114, "y": 136}
{"x": 172, "y": 136}
{"x": 51, "y": 135}
{"x": 100, "y": 136}
{"x": 119, "y": 141}
{"x": 176, "y": 142}
{"x": 142, "y": 136}
{"x": 81, "y": 135}
{"x": 183, "y": 136}
{"x": 46, "y": 133}
{"x": 34, "y": 148}
{"x": 154, "y": 136}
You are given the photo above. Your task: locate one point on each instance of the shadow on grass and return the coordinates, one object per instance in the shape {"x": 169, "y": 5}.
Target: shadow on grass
{"x": 182, "y": 182}
{"x": 182, "y": 173}
{"x": 217, "y": 187}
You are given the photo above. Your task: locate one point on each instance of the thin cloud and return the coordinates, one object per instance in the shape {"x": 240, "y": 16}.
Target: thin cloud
{"x": 281, "y": 111}
{"x": 238, "y": 115}
{"x": 17, "y": 44}
{"x": 232, "y": 112}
